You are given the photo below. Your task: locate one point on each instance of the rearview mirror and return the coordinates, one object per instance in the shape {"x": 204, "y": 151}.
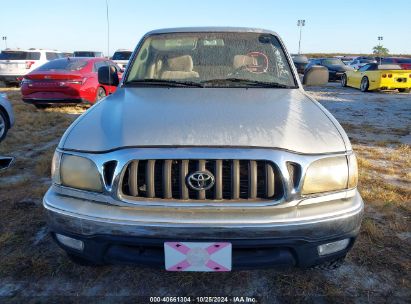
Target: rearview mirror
{"x": 316, "y": 75}
{"x": 5, "y": 162}
{"x": 108, "y": 76}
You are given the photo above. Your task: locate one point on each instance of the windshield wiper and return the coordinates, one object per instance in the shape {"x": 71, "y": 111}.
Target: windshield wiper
{"x": 165, "y": 82}
{"x": 253, "y": 83}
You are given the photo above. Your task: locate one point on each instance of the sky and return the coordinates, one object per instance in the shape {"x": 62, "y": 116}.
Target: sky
{"x": 331, "y": 26}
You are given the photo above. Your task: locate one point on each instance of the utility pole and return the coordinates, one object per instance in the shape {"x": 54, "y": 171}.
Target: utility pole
{"x": 300, "y": 24}
{"x": 4, "y": 38}
{"x": 380, "y": 38}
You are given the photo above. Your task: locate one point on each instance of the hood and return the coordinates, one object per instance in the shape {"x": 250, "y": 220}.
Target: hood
{"x": 213, "y": 117}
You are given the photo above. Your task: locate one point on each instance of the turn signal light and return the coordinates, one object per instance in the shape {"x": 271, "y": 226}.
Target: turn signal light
{"x": 80, "y": 81}
{"x": 409, "y": 75}
{"x": 333, "y": 247}
{"x": 74, "y": 243}
{"x": 389, "y": 75}
{"x": 385, "y": 76}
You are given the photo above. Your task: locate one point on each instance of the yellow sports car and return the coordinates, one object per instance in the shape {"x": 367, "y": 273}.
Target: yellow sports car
{"x": 378, "y": 77}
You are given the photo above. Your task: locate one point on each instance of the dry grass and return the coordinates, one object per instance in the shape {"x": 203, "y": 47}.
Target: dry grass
{"x": 43, "y": 163}
{"x": 384, "y": 175}
{"x": 32, "y": 142}
{"x": 370, "y": 228}
{"x": 36, "y": 126}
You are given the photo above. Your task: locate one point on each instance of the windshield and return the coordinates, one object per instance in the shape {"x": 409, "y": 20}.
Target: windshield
{"x": 19, "y": 55}
{"x": 333, "y": 61}
{"x": 63, "y": 64}
{"x": 121, "y": 56}
{"x": 211, "y": 60}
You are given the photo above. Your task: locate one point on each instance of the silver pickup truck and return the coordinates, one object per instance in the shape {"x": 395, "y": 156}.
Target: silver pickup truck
{"x": 210, "y": 156}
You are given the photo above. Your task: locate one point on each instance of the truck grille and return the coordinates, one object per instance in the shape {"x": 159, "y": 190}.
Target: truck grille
{"x": 233, "y": 180}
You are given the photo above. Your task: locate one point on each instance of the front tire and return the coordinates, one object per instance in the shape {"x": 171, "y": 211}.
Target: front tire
{"x": 344, "y": 80}
{"x": 364, "y": 84}
{"x": 101, "y": 93}
{"x": 3, "y": 125}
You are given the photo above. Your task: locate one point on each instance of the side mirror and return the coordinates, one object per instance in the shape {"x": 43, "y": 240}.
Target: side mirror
{"x": 316, "y": 75}
{"x": 107, "y": 76}
{"x": 5, "y": 162}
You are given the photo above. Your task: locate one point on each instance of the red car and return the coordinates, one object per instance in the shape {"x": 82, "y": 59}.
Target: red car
{"x": 68, "y": 80}
{"x": 405, "y": 63}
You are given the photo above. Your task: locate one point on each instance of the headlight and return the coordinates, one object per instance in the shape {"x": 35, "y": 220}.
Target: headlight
{"x": 80, "y": 173}
{"x": 327, "y": 174}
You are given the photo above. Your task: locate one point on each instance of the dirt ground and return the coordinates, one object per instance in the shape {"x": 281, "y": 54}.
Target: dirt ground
{"x": 377, "y": 270}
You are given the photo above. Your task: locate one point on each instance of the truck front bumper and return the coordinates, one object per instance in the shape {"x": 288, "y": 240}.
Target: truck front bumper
{"x": 118, "y": 235}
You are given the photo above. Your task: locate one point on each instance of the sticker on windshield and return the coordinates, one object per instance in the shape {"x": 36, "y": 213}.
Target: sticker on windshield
{"x": 260, "y": 63}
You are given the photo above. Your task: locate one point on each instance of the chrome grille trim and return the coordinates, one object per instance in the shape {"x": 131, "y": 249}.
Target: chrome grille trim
{"x": 252, "y": 186}
{"x": 167, "y": 179}
{"x": 218, "y": 188}
{"x": 150, "y": 179}
{"x": 234, "y": 180}
{"x": 133, "y": 178}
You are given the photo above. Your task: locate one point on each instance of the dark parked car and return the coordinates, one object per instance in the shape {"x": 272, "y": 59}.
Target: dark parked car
{"x": 404, "y": 63}
{"x": 6, "y": 116}
{"x": 335, "y": 66}
{"x": 300, "y": 62}
{"x": 87, "y": 54}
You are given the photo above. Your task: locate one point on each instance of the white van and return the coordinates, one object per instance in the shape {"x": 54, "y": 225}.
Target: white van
{"x": 121, "y": 57}
{"x": 15, "y": 63}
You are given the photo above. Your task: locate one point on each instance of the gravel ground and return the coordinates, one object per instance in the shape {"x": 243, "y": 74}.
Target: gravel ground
{"x": 369, "y": 117}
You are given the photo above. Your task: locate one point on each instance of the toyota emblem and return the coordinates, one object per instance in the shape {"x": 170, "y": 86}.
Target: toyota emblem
{"x": 201, "y": 180}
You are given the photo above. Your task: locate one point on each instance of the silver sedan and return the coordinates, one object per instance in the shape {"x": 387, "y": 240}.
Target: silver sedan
{"x": 6, "y": 116}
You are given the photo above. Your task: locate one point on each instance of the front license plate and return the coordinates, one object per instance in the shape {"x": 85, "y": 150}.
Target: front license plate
{"x": 188, "y": 256}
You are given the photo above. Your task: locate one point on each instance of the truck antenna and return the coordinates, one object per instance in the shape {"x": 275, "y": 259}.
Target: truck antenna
{"x": 108, "y": 35}
{"x": 108, "y": 30}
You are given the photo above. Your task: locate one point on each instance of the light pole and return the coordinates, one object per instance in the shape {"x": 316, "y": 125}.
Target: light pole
{"x": 380, "y": 38}
{"x": 4, "y": 38}
{"x": 300, "y": 24}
